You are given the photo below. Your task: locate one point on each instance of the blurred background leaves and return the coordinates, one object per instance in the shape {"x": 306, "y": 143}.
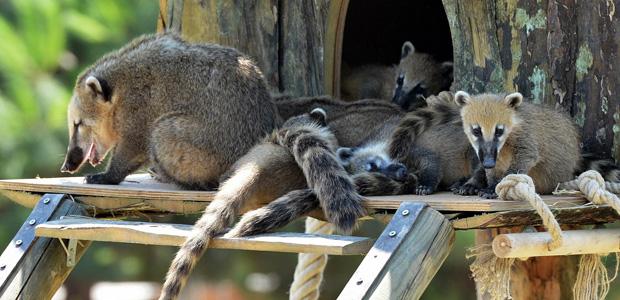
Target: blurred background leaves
{"x": 44, "y": 44}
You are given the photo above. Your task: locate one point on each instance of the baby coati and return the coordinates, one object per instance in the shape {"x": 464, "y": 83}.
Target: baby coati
{"x": 191, "y": 110}
{"x": 297, "y": 167}
{"x": 511, "y": 137}
{"x": 416, "y": 76}
{"x": 430, "y": 143}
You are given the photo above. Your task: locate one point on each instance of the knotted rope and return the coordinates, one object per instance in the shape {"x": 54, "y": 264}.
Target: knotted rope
{"x": 491, "y": 273}
{"x": 520, "y": 187}
{"x": 310, "y": 266}
{"x": 592, "y": 278}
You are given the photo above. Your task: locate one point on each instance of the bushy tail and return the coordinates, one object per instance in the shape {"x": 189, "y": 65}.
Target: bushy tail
{"x": 377, "y": 184}
{"x": 440, "y": 110}
{"x": 218, "y": 215}
{"x": 606, "y": 166}
{"x": 313, "y": 149}
{"x": 276, "y": 214}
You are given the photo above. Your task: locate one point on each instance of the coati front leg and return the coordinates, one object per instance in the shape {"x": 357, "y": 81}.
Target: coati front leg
{"x": 428, "y": 169}
{"x": 474, "y": 184}
{"x": 126, "y": 158}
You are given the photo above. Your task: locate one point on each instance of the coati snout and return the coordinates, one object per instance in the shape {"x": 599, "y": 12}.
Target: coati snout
{"x": 91, "y": 133}
{"x": 360, "y": 159}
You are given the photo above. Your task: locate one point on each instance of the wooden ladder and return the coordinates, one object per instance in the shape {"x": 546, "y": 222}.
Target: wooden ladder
{"x": 398, "y": 265}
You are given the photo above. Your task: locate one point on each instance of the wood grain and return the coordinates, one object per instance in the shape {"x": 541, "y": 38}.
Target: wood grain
{"x": 142, "y": 193}
{"x": 175, "y": 234}
{"x": 405, "y": 257}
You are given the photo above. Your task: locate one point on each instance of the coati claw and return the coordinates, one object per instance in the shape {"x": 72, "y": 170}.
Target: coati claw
{"x": 467, "y": 189}
{"x": 487, "y": 194}
{"x": 423, "y": 190}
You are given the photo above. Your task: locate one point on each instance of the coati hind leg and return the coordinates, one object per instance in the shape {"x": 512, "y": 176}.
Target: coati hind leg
{"x": 276, "y": 214}
{"x": 179, "y": 156}
{"x": 266, "y": 172}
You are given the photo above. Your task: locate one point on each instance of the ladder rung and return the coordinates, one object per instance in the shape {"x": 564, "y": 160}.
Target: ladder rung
{"x": 175, "y": 234}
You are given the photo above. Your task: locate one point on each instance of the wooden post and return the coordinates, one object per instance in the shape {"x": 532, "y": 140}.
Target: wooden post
{"x": 563, "y": 54}
{"x": 405, "y": 257}
{"x": 34, "y": 268}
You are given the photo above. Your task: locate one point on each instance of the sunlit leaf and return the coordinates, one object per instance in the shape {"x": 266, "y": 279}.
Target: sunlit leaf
{"x": 85, "y": 27}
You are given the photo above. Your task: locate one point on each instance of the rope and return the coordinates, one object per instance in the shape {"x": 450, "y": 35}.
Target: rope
{"x": 310, "y": 266}
{"x": 610, "y": 186}
{"x": 592, "y": 278}
{"x": 521, "y": 187}
{"x": 592, "y": 185}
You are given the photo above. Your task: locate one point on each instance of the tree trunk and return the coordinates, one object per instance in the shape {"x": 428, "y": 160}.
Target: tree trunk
{"x": 557, "y": 53}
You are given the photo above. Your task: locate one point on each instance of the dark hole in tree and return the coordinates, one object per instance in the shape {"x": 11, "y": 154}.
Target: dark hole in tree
{"x": 375, "y": 30}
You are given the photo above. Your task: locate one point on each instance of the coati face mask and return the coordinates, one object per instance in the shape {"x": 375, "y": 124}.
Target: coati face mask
{"x": 90, "y": 124}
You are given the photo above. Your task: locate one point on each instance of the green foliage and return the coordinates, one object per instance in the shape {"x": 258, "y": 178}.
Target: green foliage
{"x": 45, "y": 43}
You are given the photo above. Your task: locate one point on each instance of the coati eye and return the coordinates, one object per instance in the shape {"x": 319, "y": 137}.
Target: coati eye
{"x": 499, "y": 131}
{"x": 476, "y": 131}
{"x": 400, "y": 80}
{"x": 371, "y": 166}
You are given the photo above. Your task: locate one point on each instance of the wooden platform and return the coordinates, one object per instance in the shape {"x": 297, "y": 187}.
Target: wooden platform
{"x": 142, "y": 193}
{"x": 90, "y": 229}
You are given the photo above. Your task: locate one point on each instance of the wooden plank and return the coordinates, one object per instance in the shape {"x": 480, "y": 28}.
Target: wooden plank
{"x": 574, "y": 242}
{"x": 43, "y": 268}
{"x": 579, "y": 215}
{"x": 405, "y": 257}
{"x": 141, "y": 193}
{"x": 175, "y": 234}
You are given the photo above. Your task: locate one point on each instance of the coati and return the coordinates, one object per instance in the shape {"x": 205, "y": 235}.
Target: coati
{"x": 510, "y": 136}
{"x": 416, "y": 76}
{"x": 191, "y": 110}
{"x": 429, "y": 141}
{"x": 295, "y": 164}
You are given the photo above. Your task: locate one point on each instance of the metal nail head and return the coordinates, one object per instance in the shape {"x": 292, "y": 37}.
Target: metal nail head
{"x": 392, "y": 233}
{"x": 405, "y": 212}
{"x": 32, "y": 221}
{"x": 46, "y": 200}
{"x": 18, "y": 243}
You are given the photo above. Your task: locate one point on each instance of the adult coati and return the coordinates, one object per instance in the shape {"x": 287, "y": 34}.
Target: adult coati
{"x": 191, "y": 110}
{"x": 510, "y": 136}
{"x": 268, "y": 171}
{"x": 416, "y": 76}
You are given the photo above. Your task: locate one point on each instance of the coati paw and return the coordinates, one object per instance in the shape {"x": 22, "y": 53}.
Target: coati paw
{"x": 466, "y": 190}
{"x": 100, "y": 178}
{"x": 487, "y": 193}
{"x": 423, "y": 190}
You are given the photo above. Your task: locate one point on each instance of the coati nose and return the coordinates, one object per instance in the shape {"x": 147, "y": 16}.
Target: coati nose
{"x": 396, "y": 171}
{"x": 488, "y": 163}
{"x": 74, "y": 159}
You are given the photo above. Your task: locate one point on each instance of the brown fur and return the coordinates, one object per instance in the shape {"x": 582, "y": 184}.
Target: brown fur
{"x": 516, "y": 137}
{"x": 416, "y": 76}
{"x": 367, "y": 82}
{"x": 271, "y": 170}
{"x": 190, "y": 109}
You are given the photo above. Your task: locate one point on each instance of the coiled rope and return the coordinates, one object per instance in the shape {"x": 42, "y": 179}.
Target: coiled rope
{"x": 310, "y": 266}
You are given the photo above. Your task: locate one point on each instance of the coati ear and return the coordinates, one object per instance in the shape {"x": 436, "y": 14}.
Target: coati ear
{"x": 514, "y": 100}
{"x": 406, "y": 49}
{"x": 98, "y": 87}
{"x": 319, "y": 115}
{"x": 344, "y": 154}
{"x": 462, "y": 98}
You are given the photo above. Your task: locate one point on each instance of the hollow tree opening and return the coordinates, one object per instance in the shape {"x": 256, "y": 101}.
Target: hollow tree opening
{"x": 374, "y": 32}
